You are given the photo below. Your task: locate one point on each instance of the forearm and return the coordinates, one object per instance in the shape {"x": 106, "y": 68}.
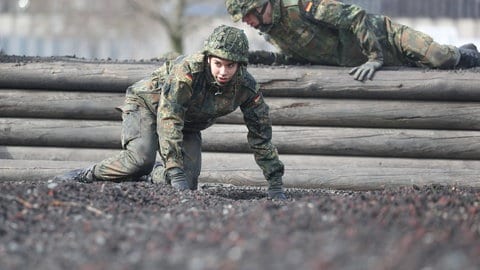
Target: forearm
{"x": 170, "y": 137}
{"x": 256, "y": 116}
{"x": 266, "y": 157}
{"x": 170, "y": 122}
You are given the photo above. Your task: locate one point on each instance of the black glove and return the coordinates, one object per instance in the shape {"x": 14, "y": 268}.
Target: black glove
{"x": 366, "y": 70}
{"x": 177, "y": 178}
{"x": 261, "y": 57}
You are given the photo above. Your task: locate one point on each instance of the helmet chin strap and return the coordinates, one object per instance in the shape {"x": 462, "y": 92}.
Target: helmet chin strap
{"x": 259, "y": 15}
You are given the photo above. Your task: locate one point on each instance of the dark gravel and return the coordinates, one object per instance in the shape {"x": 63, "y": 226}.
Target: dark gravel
{"x": 138, "y": 225}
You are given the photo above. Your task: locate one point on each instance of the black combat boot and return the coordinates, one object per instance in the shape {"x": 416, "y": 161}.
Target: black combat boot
{"x": 468, "y": 58}
{"x": 275, "y": 190}
{"x": 84, "y": 175}
{"x": 469, "y": 46}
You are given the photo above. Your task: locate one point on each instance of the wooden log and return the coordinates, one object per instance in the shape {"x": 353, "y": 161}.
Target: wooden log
{"x": 286, "y": 81}
{"x": 355, "y": 173}
{"x": 60, "y": 104}
{"x": 56, "y": 153}
{"x": 412, "y": 143}
{"x": 370, "y": 113}
{"x": 73, "y": 75}
{"x": 389, "y": 83}
{"x": 62, "y": 133}
{"x": 232, "y": 138}
{"x": 284, "y": 111}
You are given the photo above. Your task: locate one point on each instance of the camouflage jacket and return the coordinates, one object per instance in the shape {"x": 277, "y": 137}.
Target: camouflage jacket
{"x": 184, "y": 96}
{"x": 328, "y": 32}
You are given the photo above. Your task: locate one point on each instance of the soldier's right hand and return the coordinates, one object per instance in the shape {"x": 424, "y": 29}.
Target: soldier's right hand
{"x": 365, "y": 71}
{"x": 177, "y": 178}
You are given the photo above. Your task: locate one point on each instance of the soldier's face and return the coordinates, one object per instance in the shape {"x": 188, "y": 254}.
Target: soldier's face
{"x": 222, "y": 70}
{"x": 252, "y": 19}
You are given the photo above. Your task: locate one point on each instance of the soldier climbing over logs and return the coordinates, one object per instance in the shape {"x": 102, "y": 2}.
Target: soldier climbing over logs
{"x": 329, "y": 32}
{"x": 167, "y": 111}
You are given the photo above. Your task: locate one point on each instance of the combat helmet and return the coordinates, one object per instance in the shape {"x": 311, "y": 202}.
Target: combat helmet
{"x": 239, "y": 8}
{"x": 229, "y": 43}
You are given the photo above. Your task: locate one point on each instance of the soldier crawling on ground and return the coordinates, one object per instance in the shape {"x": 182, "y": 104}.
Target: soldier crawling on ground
{"x": 168, "y": 110}
{"x": 329, "y": 32}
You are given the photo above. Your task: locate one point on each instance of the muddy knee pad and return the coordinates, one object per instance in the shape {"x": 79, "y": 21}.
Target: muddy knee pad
{"x": 158, "y": 174}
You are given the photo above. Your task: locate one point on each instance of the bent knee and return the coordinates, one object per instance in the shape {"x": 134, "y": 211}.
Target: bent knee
{"x": 442, "y": 56}
{"x": 138, "y": 163}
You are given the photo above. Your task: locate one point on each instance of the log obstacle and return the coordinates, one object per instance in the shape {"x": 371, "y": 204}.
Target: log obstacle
{"x": 303, "y": 171}
{"x": 407, "y": 126}
{"x": 415, "y": 143}
{"x": 284, "y": 111}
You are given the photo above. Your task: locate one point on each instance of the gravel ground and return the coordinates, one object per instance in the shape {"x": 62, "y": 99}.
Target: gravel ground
{"x": 138, "y": 225}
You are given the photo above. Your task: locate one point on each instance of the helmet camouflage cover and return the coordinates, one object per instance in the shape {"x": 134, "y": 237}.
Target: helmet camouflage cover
{"x": 228, "y": 43}
{"x": 239, "y": 8}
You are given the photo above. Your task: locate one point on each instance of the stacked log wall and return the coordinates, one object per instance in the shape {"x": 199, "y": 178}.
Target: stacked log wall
{"x": 407, "y": 126}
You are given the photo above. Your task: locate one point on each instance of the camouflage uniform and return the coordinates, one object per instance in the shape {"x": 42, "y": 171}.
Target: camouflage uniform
{"x": 329, "y": 32}
{"x": 178, "y": 101}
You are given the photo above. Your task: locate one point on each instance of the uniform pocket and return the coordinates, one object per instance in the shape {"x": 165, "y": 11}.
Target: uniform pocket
{"x": 131, "y": 123}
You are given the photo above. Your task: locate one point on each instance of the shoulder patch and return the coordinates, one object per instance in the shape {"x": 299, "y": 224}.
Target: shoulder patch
{"x": 185, "y": 69}
{"x": 196, "y": 62}
{"x": 189, "y": 77}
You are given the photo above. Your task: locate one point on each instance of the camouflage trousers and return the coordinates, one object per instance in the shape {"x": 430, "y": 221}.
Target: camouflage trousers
{"x": 419, "y": 49}
{"x": 140, "y": 146}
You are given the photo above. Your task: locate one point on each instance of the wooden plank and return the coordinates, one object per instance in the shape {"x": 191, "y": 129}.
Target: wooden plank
{"x": 355, "y": 173}
{"x": 284, "y": 111}
{"x": 232, "y": 138}
{"x": 286, "y": 81}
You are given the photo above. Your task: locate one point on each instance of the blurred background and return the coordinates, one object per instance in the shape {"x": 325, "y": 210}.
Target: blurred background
{"x": 144, "y": 29}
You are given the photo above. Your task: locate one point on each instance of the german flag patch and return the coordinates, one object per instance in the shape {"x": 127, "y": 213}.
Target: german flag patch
{"x": 257, "y": 98}
{"x": 308, "y": 7}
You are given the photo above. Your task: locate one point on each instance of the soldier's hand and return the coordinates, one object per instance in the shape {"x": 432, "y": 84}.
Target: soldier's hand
{"x": 177, "y": 178}
{"x": 365, "y": 71}
{"x": 261, "y": 57}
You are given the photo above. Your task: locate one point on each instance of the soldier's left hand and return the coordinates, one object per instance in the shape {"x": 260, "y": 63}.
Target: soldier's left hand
{"x": 365, "y": 71}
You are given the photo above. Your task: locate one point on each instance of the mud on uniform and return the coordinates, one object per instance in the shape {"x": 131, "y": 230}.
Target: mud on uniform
{"x": 329, "y": 32}
{"x": 178, "y": 101}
